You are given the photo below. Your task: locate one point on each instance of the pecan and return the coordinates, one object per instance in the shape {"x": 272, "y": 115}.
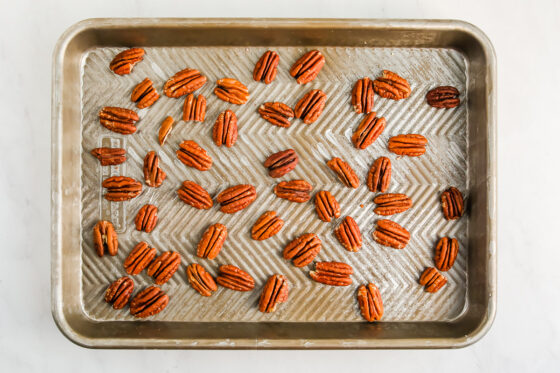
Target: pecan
{"x": 303, "y": 249}
{"x": 389, "y": 233}
{"x": 121, "y": 188}
{"x": 279, "y": 164}
{"x": 332, "y": 273}
{"x": 232, "y": 91}
{"x": 118, "y": 293}
{"x": 432, "y": 280}
{"x": 344, "y": 172}
{"x": 446, "y": 253}
{"x": 144, "y": 94}
{"x": 194, "y": 108}
{"x": 236, "y": 198}
{"x": 294, "y": 190}
{"x": 379, "y": 175}
{"x": 276, "y": 113}
{"x": 307, "y": 67}
{"x": 392, "y": 86}
{"x": 109, "y": 156}
{"x": 165, "y": 129}
{"x": 452, "y": 203}
{"x": 348, "y": 234}
{"x": 234, "y": 278}
{"x": 392, "y": 203}
{"x": 411, "y": 145}
{"x": 146, "y": 219}
{"x": 139, "y": 258}
{"x": 123, "y": 62}
{"x": 149, "y": 302}
{"x": 368, "y": 131}
{"x": 212, "y": 241}
{"x": 184, "y": 82}
{"x": 153, "y": 174}
{"x": 193, "y": 194}
{"x": 266, "y": 226}
{"x": 443, "y": 97}
{"x": 274, "y": 291}
{"x": 362, "y": 96}
{"x": 201, "y": 280}
{"x": 310, "y": 106}
{"x": 118, "y": 120}
{"x": 191, "y": 154}
{"x": 164, "y": 266}
{"x": 225, "y": 129}
{"x": 326, "y": 206}
{"x": 105, "y": 238}
{"x": 371, "y": 305}
{"x": 266, "y": 68}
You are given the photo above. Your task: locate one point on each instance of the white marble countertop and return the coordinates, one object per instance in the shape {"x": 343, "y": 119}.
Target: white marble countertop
{"x": 526, "y": 333}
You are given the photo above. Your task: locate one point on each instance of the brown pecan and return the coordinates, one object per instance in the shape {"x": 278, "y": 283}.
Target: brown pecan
{"x": 307, "y": 67}
{"x": 274, "y": 291}
{"x": 362, "y": 96}
{"x": 193, "y": 194}
{"x": 201, "y": 280}
{"x": 144, "y": 94}
{"x": 165, "y": 129}
{"x": 109, "y": 156}
{"x": 266, "y": 68}
{"x": 332, "y": 273}
{"x": 225, "y": 129}
{"x": 392, "y": 203}
{"x": 234, "y": 278}
{"x": 389, "y": 233}
{"x": 194, "y": 108}
{"x": 148, "y": 302}
{"x": 164, "y": 266}
{"x": 232, "y": 91}
{"x": 236, "y": 198}
{"x": 212, "y": 241}
{"x": 118, "y": 120}
{"x": 123, "y": 62}
{"x": 326, "y": 205}
{"x": 392, "y": 86}
{"x": 344, "y": 172}
{"x": 443, "y": 97}
{"x": 121, "y": 188}
{"x": 379, "y": 175}
{"x": 452, "y": 203}
{"x": 266, "y": 226}
{"x": 303, "y": 249}
{"x": 411, "y": 145}
{"x": 348, "y": 234}
{"x": 105, "y": 238}
{"x": 118, "y": 293}
{"x": 368, "y": 131}
{"x": 139, "y": 258}
{"x": 146, "y": 219}
{"x": 153, "y": 174}
{"x": 276, "y": 113}
{"x": 191, "y": 154}
{"x": 184, "y": 82}
{"x": 432, "y": 280}
{"x": 446, "y": 253}
{"x": 371, "y": 305}
{"x": 279, "y": 164}
{"x": 294, "y": 190}
{"x": 310, "y": 106}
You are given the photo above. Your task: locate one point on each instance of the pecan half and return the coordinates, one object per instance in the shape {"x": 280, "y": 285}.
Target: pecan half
{"x": 232, "y": 91}
{"x": 191, "y": 154}
{"x": 452, "y": 203}
{"x": 389, "y": 233}
{"x": 392, "y": 203}
{"x": 184, "y": 82}
{"x": 303, "y": 249}
{"x": 165, "y": 129}
{"x": 121, "y": 188}
{"x": 392, "y": 86}
{"x": 146, "y": 219}
{"x": 348, "y": 234}
{"x": 266, "y": 226}
{"x": 279, "y": 164}
{"x": 379, "y": 175}
{"x": 362, "y": 96}
{"x": 109, "y": 156}
{"x": 332, "y": 273}
{"x": 153, "y": 174}
{"x": 164, "y": 266}
{"x": 432, "y": 280}
{"x": 144, "y": 94}
{"x": 446, "y": 253}
{"x": 274, "y": 291}
{"x": 368, "y": 131}
{"x": 234, "y": 278}
{"x": 371, "y": 305}
{"x": 194, "y": 108}
{"x": 118, "y": 120}
{"x": 212, "y": 241}
{"x": 276, "y": 113}
{"x": 344, "y": 172}
{"x": 105, "y": 238}
{"x": 236, "y": 198}
{"x": 139, "y": 258}
{"x": 123, "y": 62}
{"x": 310, "y": 106}
{"x": 294, "y": 190}
{"x": 326, "y": 205}
{"x": 225, "y": 129}
{"x": 193, "y": 194}
{"x": 443, "y": 97}
{"x": 411, "y": 145}
{"x": 148, "y": 302}
{"x": 201, "y": 280}
{"x": 266, "y": 67}
{"x": 307, "y": 67}
{"x": 118, "y": 293}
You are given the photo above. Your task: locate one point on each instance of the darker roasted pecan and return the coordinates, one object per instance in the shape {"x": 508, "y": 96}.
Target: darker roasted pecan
{"x": 165, "y": 129}
{"x": 326, "y": 206}
{"x": 266, "y": 68}
{"x": 232, "y": 91}
{"x": 225, "y": 129}
{"x": 332, "y": 273}
{"x": 212, "y": 241}
{"x": 109, "y": 156}
{"x": 191, "y": 154}
{"x": 391, "y": 203}
{"x": 193, "y": 194}
{"x": 146, "y": 219}
{"x": 452, "y": 203}
{"x": 294, "y": 190}
{"x": 348, "y": 234}
{"x": 432, "y": 280}
{"x": 194, "y": 108}
{"x": 234, "y": 278}
{"x": 276, "y": 113}
{"x": 344, "y": 172}
{"x": 144, "y": 94}
{"x": 164, "y": 266}
{"x": 118, "y": 120}
{"x": 307, "y": 67}
{"x": 411, "y": 145}
{"x": 201, "y": 280}
{"x": 118, "y": 293}
{"x": 392, "y": 86}
{"x": 123, "y": 62}
{"x": 389, "y": 233}
{"x": 139, "y": 258}
{"x": 303, "y": 249}
{"x": 368, "y": 131}
{"x": 266, "y": 226}
{"x": 310, "y": 106}
{"x": 446, "y": 253}
{"x": 379, "y": 175}
{"x": 153, "y": 174}
{"x": 236, "y": 198}
{"x": 184, "y": 82}
{"x": 371, "y": 305}
{"x": 279, "y": 164}
{"x": 105, "y": 238}
{"x": 148, "y": 302}
{"x": 275, "y": 291}
{"x": 443, "y": 97}
{"x": 121, "y": 188}
{"x": 362, "y": 96}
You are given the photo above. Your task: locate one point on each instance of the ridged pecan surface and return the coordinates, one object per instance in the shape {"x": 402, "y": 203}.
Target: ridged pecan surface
{"x": 279, "y": 164}
{"x": 266, "y": 226}
{"x": 294, "y": 190}
{"x": 153, "y": 174}
{"x": 389, "y": 233}
{"x": 432, "y": 280}
{"x": 212, "y": 241}
{"x": 391, "y": 86}
{"x": 303, "y": 249}
{"x": 201, "y": 280}
{"x": 266, "y": 67}
{"x": 236, "y": 198}
{"x": 109, "y": 156}
{"x": 443, "y": 97}
{"x": 148, "y": 302}
{"x": 412, "y": 145}
{"x": 164, "y": 266}
{"x": 275, "y": 291}
{"x": 118, "y": 293}
{"x": 194, "y": 108}
{"x": 165, "y": 129}
{"x": 105, "y": 238}
{"x": 147, "y": 218}
{"x": 348, "y": 234}
{"x": 193, "y": 194}
{"x": 310, "y": 106}
{"x": 452, "y": 203}
{"x": 144, "y": 94}
{"x": 327, "y": 206}
{"x": 192, "y": 155}
{"x": 368, "y": 131}
{"x": 307, "y": 67}
{"x": 184, "y": 82}
{"x": 232, "y": 91}
{"x": 234, "y": 278}
{"x": 379, "y": 175}
{"x": 123, "y": 62}
{"x": 276, "y": 113}
{"x": 371, "y": 305}
{"x": 391, "y": 203}
{"x": 446, "y": 253}
{"x": 362, "y": 96}
{"x": 225, "y": 129}
{"x": 118, "y": 119}
{"x": 332, "y": 273}
{"x": 139, "y": 258}
{"x": 121, "y": 188}
{"x": 344, "y": 172}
